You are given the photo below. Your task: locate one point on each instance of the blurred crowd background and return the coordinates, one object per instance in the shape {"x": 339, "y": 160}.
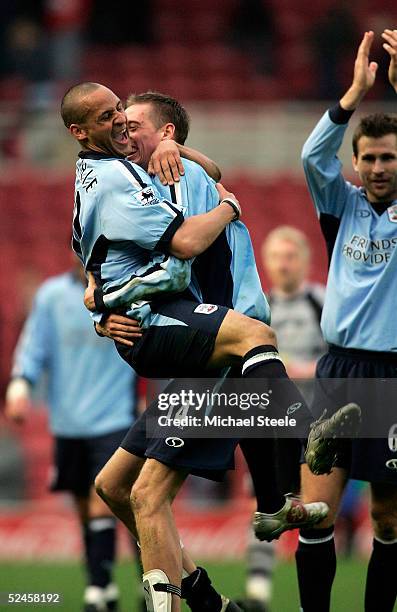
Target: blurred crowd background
{"x": 255, "y": 75}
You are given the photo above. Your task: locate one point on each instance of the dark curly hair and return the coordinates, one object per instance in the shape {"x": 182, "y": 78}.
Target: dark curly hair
{"x": 374, "y": 126}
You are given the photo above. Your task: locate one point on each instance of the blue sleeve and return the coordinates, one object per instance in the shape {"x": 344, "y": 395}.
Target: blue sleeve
{"x": 133, "y": 210}
{"x": 323, "y": 169}
{"x": 32, "y": 352}
{"x": 162, "y": 275}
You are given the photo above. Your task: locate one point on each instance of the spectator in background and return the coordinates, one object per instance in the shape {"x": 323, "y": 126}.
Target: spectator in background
{"x": 296, "y": 304}
{"x": 65, "y": 22}
{"x": 92, "y": 401}
{"x": 253, "y": 31}
{"x": 334, "y": 38}
{"x": 28, "y": 56}
{"x": 42, "y": 43}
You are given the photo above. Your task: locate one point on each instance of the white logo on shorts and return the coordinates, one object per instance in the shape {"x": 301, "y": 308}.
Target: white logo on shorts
{"x": 393, "y": 438}
{"x": 294, "y": 408}
{"x": 391, "y": 464}
{"x": 206, "y": 308}
{"x": 174, "y": 442}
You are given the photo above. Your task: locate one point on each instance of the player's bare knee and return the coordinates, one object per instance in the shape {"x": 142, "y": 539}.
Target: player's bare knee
{"x": 385, "y": 524}
{"x": 257, "y": 333}
{"x": 110, "y": 494}
{"x": 100, "y": 486}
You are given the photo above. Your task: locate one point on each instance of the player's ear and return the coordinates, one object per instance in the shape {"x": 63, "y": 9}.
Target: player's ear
{"x": 354, "y": 162}
{"x": 78, "y": 132}
{"x": 168, "y": 131}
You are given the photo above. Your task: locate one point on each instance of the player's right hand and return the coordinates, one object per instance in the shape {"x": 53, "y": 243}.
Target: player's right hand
{"x": 364, "y": 70}
{"x": 17, "y": 410}
{"x": 120, "y": 328}
{"x": 224, "y": 193}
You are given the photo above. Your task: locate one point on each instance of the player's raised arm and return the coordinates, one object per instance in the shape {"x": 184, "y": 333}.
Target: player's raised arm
{"x": 321, "y": 164}
{"x": 363, "y": 77}
{"x": 390, "y": 36}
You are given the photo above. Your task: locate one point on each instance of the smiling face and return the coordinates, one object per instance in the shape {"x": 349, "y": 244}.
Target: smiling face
{"x": 376, "y": 164}
{"x": 104, "y": 128}
{"x": 144, "y": 134}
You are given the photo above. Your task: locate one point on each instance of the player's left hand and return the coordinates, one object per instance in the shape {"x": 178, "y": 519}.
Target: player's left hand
{"x": 166, "y": 162}
{"x": 89, "y": 301}
{"x": 390, "y": 36}
{"x": 119, "y": 328}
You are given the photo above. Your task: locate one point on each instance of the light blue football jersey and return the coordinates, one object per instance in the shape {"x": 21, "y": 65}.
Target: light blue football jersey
{"x": 91, "y": 391}
{"x": 226, "y": 274}
{"x": 246, "y": 294}
{"x": 122, "y": 229}
{"x": 361, "y": 299}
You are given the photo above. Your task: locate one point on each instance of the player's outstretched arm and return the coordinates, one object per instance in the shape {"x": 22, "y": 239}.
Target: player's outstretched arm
{"x": 363, "y": 77}
{"x": 390, "y": 36}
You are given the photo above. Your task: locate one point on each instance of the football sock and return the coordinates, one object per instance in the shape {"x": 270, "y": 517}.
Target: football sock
{"x": 316, "y": 567}
{"x": 199, "y": 593}
{"x": 259, "y": 455}
{"x": 288, "y": 454}
{"x": 263, "y": 362}
{"x": 381, "y": 586}
{"x": 260, "y": 564}
{"x": 99, "y": 539}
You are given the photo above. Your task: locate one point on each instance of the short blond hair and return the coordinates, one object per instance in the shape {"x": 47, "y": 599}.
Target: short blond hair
{"x": 291, "y": 234}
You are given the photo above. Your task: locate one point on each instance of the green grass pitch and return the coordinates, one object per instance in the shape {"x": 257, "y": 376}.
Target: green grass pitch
{"x": 68, "y": 580}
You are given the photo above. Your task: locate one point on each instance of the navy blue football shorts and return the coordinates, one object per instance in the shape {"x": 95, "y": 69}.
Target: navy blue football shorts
{"x": 182, "y": 342}
{"x": 77, "y": 461}
{"x": 364, "y": 377}
{"x": 178, "y": 349}
{"x": 206, "y": 457}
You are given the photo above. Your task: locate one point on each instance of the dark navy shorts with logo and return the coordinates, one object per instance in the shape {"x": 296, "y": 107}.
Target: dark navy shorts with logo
{"x": 350, "y": 375}
{"x": 179, "y": 350}
{"x": 182, "y": 345}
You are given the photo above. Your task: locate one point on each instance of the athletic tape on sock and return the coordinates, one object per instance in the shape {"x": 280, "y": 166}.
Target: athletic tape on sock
{"x": 386, "y": 542}
{"x": 261, "y": 357}
{"x": 100, "y": 524}
{"x": 327, "y": 538}
{"x": 166, "y": 587}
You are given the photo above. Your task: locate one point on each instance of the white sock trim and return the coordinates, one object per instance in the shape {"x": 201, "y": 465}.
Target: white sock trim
{"x": 100, "y": 524}
{"x": 387, "y": 542}
{"x": 273, "y": 356}
{"x": 327, "y": 538}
